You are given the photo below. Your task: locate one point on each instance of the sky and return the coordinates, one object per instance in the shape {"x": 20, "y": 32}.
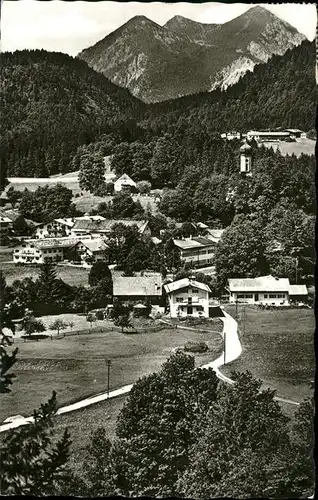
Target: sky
{"x": 72, "y": 26}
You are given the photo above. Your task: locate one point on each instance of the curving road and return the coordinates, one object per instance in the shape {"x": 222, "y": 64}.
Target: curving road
{"x": 233, "y": 350}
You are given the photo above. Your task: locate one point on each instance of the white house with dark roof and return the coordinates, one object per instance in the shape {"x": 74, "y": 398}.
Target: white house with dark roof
{"x": 188, "y": 297}
{"x": 124, "y": 183}
{"x": 264, "y": 290}
{"x": 197, "y": 251}
{"x": 37, "y": 251}
{"x": 134, "y": 288}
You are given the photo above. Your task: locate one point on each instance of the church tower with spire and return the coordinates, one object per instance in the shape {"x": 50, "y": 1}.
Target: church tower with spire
{"x": 246, "y": 159}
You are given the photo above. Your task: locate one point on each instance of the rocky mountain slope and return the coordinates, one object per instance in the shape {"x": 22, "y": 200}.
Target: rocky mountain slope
{"x": 183, "y": 57}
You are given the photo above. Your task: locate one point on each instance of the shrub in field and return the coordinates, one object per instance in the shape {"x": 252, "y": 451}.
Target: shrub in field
{"x": 196, "y": 347}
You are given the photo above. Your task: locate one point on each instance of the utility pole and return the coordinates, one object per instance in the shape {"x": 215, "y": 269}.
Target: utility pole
{"x": 224, "y": 346}
{"x": 244, "y": 318}
{"x": 108, "y": 361}
{"x": 296, "y": 262}
{"x": 236, "y": 308}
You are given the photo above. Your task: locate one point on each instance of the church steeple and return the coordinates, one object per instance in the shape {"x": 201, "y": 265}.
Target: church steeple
{"x": 246, "y": 159}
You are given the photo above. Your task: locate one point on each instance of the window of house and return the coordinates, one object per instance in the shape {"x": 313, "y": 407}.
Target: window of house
{"x": 179, "y": 299}
{"x": 272, "y": 296}
{"x": 195, "y": 290}
{"x": 265, "y": 295}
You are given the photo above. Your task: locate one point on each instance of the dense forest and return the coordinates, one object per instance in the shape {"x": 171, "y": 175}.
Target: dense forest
{"x": 53, "y": 104}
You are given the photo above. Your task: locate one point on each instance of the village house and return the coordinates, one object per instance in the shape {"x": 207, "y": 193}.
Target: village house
{"x": 87, "y": 251}
{"x": 139, "y": 288}
{"x": 197, "y": 251}
{"x": 188, "y": 297}
{"x": 98, "y": 228}
{"x": 265, "y": 290}
{"x": 38, "y": 251}
{"x": 124, "y": 183}
{"x": 59, "y": 228}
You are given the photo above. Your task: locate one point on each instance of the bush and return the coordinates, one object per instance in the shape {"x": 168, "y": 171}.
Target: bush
{"x": 196, "y": 347}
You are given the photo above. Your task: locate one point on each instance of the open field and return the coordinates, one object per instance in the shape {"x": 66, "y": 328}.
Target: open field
{"x": 75, "y": 366}
{"x": 74, "y": 276}
{"x": 278, "y": 348}
{"x": 305, "y": 146}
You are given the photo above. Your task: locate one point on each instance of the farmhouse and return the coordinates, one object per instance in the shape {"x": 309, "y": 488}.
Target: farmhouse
{"x": 87, "y": 251}
{"x": 58, "y": 228}
{"x": 38, "y": 251}
{"x": 97, "y": 228}
{"x": 196, "y": 251}
{"x": 188, "y": 297}
{"x": 264, "y": 290}
{"x": 136, "y": 288}
{"x": 124, "y": 183}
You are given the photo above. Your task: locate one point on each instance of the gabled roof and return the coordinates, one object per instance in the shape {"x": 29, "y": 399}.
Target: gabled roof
{"x": 95, "y": 245}
{"x": 125, "y": 179}
{"x": 185, "y": 283}
{"x": 137, "y": 285}
{"x": 106, "y": 225}
{"x": 214, "y": 234}
{"x": 298, "y": 290}
{"x": 260, "y": 284}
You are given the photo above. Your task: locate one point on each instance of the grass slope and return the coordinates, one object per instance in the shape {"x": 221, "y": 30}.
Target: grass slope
{"x": 75, "y": 366}
{"x": 278, "y": 348}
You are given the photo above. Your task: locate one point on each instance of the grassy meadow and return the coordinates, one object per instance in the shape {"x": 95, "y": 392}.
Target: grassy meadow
{"x": 278, "y": 348}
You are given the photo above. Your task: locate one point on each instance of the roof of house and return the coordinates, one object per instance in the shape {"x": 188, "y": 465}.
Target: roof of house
{"x": 298, "y": 290}
{"x": 184, "y": 283}
{"x": 214, "y": 234}
{"x": 125, "y": 179}
{"x": 12, "y": 215}
{"x": 137, "y": 285}
{"x": 51, "y": 242}
{"x": 95, "y": 245}
{"x": 189, "y": 243}
{"x": 106, "y": 225}
{"x": 66, "y": 222}
{"x": 260, "y": 284}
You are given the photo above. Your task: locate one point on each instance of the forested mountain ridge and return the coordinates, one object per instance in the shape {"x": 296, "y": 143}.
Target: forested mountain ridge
{"x": 51, "y": 103}
{"x": 183, "y": 57}
{"x": 279, "y": 93}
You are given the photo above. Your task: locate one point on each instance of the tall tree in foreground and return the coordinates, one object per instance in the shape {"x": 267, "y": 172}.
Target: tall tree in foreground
{"x": 242, "y": 448}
